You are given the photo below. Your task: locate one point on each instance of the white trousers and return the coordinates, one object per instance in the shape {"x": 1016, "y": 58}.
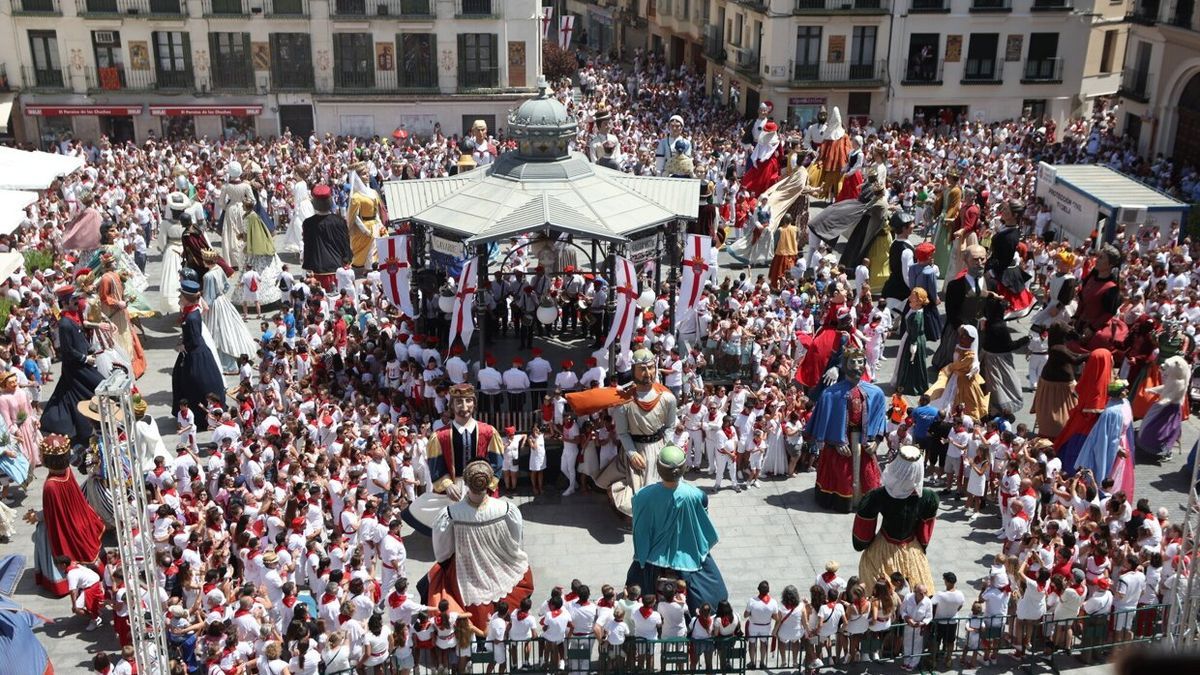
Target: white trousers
{"x": 914, "y": 645}
{"x": 726, "y": 463}
{"x": 695, "y": 447}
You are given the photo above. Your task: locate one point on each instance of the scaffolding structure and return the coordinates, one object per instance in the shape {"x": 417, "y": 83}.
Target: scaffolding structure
{"x": 122, "y": 464}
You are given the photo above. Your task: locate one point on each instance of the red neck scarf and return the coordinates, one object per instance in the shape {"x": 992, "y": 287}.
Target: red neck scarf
{"x": 396, "y": 600}
{"x": 646, "y": 612}
{"x": 764, "y": 598}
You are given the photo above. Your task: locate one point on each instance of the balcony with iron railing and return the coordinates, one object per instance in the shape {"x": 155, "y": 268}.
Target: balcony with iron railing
{"x": 1182, "y": 14}
{"x": 233, "y": 76}
{"x": 389, "y": 9}
{"x": 929, "y": 6}
{"x": 44, "y": 79}
{"x": 756, "y": 5}
{"x": 1136, "y": 85}
{"x": 1043, "y": 71}
{"x": 149, "y": 9}
{"x": 291, "y": 78}
{"x": 982, "y": 71}
{"x": 842, "y": 6}
{"x": 477, "y": 9}
{"x": 714, "y": 43}
{"x": 1143, "y": 12}
{"x": 1051, "y": 6}
{"x": 286, "y": 8}
{"x": 927, "y": 72}
{"x": 744, "y": 60}
{"x": 835, "y": 74}
{"x": 118, "y": 78}
{"x": 174, "y": 80}
{"x": 230, "y": 8}
{"x": 992, "y": 6}
{"x": 479, "y": 80}
{"x": 36, "y": 8}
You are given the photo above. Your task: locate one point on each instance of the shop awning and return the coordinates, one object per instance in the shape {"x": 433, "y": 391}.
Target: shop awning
{"x": 12, "y": 208}
{"x": 22, "y": 170}
{"x": 203, "y": 110}
{"x": 76, "y": 110}
{"x": 6, "y": 104}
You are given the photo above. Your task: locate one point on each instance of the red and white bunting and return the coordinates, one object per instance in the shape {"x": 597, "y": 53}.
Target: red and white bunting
{"x": 462, "y": 318}
{"x": 697, "y": 272}
{"x": 395, "y": 271}
{"x": 547, "y": 19}
{"x": 566, "y": 25}
{"x": 626, "y": 295}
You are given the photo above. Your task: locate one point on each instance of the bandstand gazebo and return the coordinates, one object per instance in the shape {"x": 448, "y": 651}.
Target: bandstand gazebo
{"x": 543, "y": 190}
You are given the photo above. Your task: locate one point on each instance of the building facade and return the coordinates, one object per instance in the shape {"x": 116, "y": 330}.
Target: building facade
{"x": 132, "y": 69}
{"x": 1001, "y": 59}
{"x": 895, "y": 59}
{"x": 798, "y": 55}
{"x": 1160, "y": 86}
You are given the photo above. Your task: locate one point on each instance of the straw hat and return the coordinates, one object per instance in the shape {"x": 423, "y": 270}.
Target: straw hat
{"x": 91, "y": 409}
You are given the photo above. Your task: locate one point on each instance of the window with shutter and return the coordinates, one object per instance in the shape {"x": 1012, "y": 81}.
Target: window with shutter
{"x": 417, "y": 54}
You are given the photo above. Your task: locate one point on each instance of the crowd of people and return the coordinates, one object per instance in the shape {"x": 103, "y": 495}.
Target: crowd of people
{"x": 277, "y": 533}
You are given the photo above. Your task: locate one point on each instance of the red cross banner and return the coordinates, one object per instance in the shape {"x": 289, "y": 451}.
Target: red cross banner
{"x": 395, "y": 271}
{"x": 547, "y": 18}
{"x": 625, "y": 290}
{"x": 462, "y": 318}
{"x": 697, "y": 271}
{"x": 566, "y": 25}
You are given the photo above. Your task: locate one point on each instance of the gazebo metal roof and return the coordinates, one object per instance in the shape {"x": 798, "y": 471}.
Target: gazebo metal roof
{"x": 543, "y": 186}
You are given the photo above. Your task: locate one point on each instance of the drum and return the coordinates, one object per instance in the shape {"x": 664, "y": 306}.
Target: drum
{"x": 424, "y": 511}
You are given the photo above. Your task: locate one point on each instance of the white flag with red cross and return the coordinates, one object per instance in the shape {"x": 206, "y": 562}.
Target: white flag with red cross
{"x": 462, "y": 318}
{"x": 395, "y": 271}
{"x": 625, "y": 291}
{"x": 696, "y": 273}
{"x": 547, "y": 19}
{"x": 566, "y": 25}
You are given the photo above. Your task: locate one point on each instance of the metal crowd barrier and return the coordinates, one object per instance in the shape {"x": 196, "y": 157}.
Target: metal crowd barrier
{"x": 944, "y": 645}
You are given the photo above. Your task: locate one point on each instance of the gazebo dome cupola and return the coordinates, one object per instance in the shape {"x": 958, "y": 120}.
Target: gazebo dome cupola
{"x": 542, "y": 127}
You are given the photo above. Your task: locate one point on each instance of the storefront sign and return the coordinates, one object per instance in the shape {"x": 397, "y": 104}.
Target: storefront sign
{"x": 806, "y": 100}
{"x": 449, "y": 247}
{"x": 74, "y": 110}
{"x": 201, "y": 110}
{"x": 643, "y": 250}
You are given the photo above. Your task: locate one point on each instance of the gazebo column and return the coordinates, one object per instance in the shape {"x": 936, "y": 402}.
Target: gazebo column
{"x": 481, "y": 279}
{"x": 610, "y": 307}
{"x": 673, "y": 259}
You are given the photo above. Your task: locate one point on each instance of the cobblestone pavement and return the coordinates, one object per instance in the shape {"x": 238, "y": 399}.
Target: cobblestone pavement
{"x": 773, "y": 532}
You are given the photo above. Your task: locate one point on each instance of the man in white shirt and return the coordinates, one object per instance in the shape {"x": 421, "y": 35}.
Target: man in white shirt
{"x": 566, "y": 379}
{"x": 456, "y": 368}
{"x": 539, "y": 370}
{"x": 916, "y": 611}
{"x": 379, "y": 476}
{"x": 1130, "y": 586}
{"x": 392, "y": 555}
{"x": 594, "y": 375}
{"x": 490, "y": 384}
{"x": 946, "y": 606}
{"x": 87, "y": 593}
{"x": 516, "y": 383}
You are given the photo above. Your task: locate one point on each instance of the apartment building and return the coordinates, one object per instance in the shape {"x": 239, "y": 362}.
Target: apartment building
{"x": 131, "y": 69}
{"x": 798, "y": 55}
{"x": 895, "y": 59}
{"x": 1000, "y": 59}
{"x": 1160, "y": 86}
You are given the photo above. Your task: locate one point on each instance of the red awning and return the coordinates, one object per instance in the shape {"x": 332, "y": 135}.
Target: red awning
{"x": 200, "y": 110}
{"x": 71, "y": 110}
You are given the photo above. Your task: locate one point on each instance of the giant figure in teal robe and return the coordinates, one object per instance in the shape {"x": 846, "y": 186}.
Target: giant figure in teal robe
{"x": 673, "y": 537}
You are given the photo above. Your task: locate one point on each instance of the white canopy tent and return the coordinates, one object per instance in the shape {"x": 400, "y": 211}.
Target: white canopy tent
{"x": 12, "y": 208}
{"x": 11, "y": 262}
{"x": 25, "y": 170}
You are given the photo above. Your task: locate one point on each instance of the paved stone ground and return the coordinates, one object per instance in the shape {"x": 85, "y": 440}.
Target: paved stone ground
{"x": 775, "y": 532}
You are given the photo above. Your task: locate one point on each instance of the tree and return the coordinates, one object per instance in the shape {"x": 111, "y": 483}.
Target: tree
{"x": 557, "y": 63}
